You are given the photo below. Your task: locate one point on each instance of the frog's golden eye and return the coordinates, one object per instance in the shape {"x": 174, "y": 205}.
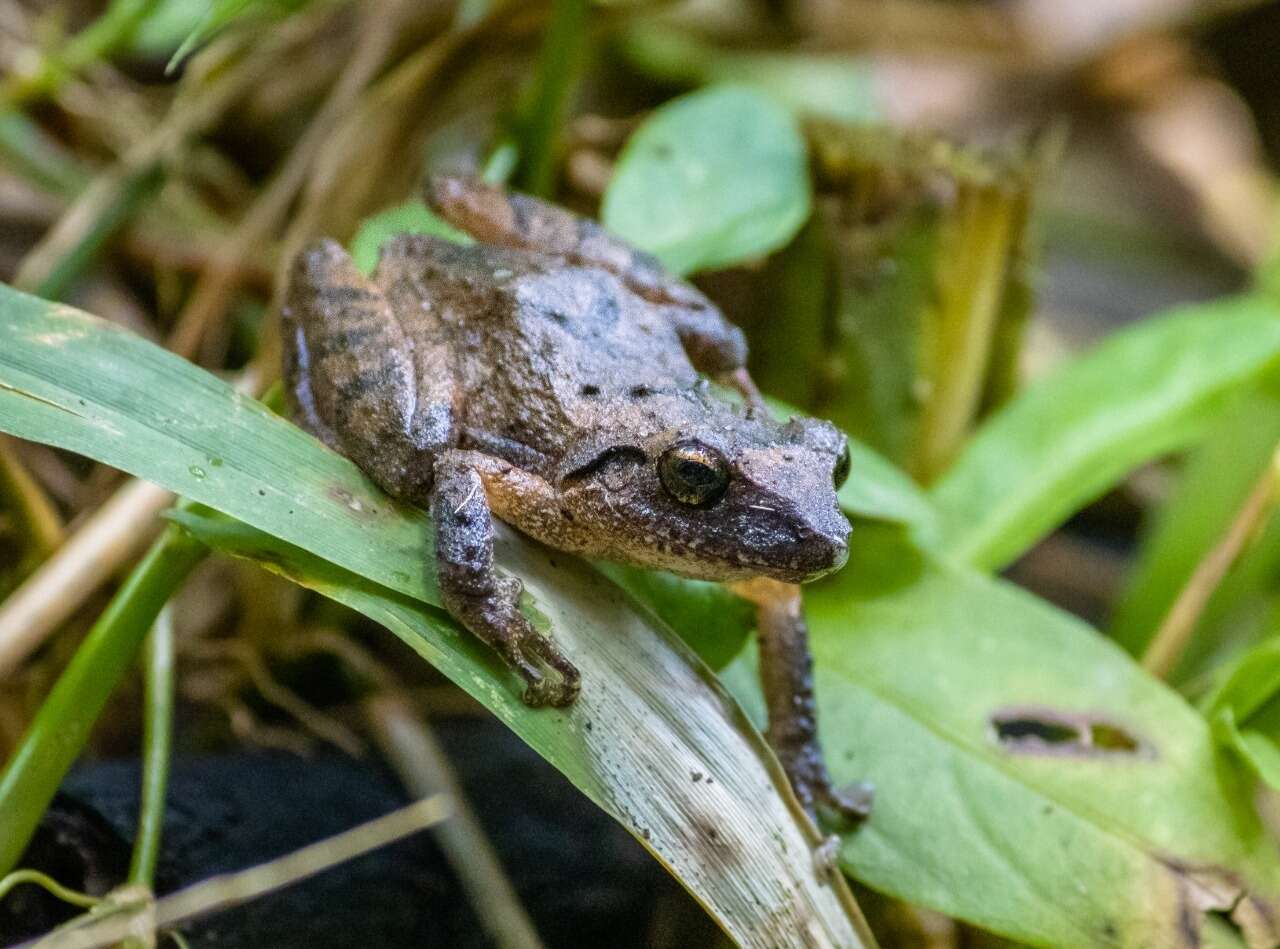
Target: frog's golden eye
{"x": 841, "y": 473}
{"x": 693, "y": 473}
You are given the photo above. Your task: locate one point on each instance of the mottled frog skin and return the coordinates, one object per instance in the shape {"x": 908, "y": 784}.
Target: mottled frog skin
{"x": 554, "y": 377}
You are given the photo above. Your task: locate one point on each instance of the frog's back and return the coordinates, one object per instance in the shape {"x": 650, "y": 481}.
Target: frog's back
{"x": 540, "y": 348}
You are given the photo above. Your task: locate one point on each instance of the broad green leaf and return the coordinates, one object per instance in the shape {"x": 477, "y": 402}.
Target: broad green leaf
{"x": 1065, "y": 440}
{"x": 412, "y": 217}
{"x": 713, "y": 178}
{"x": 1120, "y": 827}
{"x": 1215, "y": 480}
{"x": 880, "y": 491}
{"x": 70, "y": 380}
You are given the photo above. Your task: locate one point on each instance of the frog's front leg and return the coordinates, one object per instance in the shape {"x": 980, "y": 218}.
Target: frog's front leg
{"x": 786, "y": 675}
{"x": 474, "y": 593}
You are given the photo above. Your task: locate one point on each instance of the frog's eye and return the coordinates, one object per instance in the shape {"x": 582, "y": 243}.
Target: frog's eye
{"x": 693, "y": 473}
{"x": 841, "y": 473}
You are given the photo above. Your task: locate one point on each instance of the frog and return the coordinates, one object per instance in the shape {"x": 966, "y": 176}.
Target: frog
{"x": 552, "y": 376}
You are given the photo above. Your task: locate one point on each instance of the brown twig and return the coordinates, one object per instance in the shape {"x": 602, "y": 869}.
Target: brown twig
{"x": 1171, "y": 639}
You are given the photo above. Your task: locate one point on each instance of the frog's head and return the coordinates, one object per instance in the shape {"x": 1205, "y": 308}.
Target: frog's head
{"x": 720, "y": 500}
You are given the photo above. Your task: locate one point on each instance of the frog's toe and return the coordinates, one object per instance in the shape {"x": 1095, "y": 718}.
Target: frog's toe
{"x": 539, "y": 690}
{"x": 849, "y": 805}
{"x": 566, "y": 690}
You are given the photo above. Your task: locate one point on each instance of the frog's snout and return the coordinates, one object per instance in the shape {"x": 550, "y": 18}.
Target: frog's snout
{"x": 822, "y": 549}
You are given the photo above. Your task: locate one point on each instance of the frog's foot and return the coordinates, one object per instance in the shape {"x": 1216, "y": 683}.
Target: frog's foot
{"x": 829, "y": 806}
{"x": 550, "y": 678}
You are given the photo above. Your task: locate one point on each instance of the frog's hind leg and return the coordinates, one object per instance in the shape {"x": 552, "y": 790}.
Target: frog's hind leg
{"x": 353, "y": 378}
{"x": 713, "y": 344}
{"x": 786, "y": 674}
{"x": 474, "y": 593}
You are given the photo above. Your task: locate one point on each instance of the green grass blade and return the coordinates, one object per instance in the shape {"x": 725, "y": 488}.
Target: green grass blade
{"x": 61, "y": 727}
{"x": 1147, "y": 391}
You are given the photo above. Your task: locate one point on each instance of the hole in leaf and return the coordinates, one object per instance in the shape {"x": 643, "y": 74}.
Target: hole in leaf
{"x": 1030, "y": 729}
{"x": 1110, "y": 738}
{"x": 1039, "y": 731}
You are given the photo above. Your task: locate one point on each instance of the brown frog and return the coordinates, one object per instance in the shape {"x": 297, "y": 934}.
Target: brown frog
{"x": 554, "y": 377}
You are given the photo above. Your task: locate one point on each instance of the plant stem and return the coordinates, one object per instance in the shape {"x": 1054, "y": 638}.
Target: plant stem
{"x": 975, "y": 247}
{"x": 113, "y": 534}
{"x": 41, "y": 523}
{"x": 62, "y": 725}
{"x": 424, "y": 769}
{"x": 157, "y": 739}
{"x": 52, "y": 886}
{"x": 563, "y": 48}
{"x": 1171, "y": 639}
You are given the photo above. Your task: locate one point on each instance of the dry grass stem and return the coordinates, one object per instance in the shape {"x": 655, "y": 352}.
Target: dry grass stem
{"x": 106, "y": 541}
{"x": 1166, "y": 647}
{"x": 215, "y": 287}
{"x": 232, "y": 889}
{"x": 409, "y": 745}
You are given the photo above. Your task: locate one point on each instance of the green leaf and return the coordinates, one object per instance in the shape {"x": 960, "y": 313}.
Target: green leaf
{"x": 1250, "y": 681}
{"x": 880, "y": 491}
{"x": 1243, "y": 709}
{"x": 1065, "y": 440}
{"x": 1255, "y": 749}
{"x": 1119, "y": 828}
{"x": 1215, "y": 480}
{"x": 412, "y": 217}
{"x": 713, "y": 178}
{"x": 70, "y": 380}
{"x": 712, "y": 621}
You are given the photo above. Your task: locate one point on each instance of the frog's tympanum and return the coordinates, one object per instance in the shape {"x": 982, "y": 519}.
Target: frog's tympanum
{"x": 554, "y": 377}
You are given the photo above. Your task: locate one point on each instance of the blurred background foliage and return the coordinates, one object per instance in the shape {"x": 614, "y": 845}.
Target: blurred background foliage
{"x": 1024, "y": 251}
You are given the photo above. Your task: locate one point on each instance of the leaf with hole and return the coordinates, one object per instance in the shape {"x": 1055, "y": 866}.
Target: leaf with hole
{"x": 1030, "y": 778}
{"x": 711, "y": 179}
{"x": 70, "y": 380}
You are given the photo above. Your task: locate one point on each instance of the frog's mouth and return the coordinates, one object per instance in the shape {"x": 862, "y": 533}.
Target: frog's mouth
{"x": 797, "y": 562}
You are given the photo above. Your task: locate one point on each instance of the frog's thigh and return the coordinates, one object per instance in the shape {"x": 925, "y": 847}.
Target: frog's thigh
{"x": 474, "y": 593}
{"x": 359, "y": 375}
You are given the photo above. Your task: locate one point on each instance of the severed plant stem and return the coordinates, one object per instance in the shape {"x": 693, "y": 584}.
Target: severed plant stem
{"x": 157, "y": 740}
{"x": 62, "y": 725}
{"x": 1171, "y": 639}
